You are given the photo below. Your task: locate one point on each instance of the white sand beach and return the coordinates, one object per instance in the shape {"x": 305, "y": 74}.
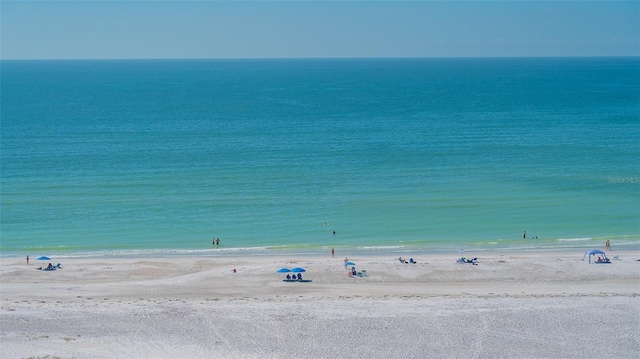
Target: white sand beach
{"x": 510, "y": 305}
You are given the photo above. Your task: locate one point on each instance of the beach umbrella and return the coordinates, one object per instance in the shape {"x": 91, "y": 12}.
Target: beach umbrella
{"x": 349, "y": 264}
{"x": 43, "y": 258}
{"x": 284, "y": 270}
{"x": 298, "y": 270}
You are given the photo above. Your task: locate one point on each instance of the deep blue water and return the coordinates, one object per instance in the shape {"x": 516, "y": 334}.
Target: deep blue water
{"x": 159, "y": 156}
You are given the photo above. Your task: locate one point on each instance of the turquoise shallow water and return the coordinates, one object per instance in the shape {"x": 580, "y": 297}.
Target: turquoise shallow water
{"x": 159, "y": 156}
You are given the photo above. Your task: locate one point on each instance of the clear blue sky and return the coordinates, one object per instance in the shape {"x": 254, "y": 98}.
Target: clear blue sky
{"x": 276, "y": 29}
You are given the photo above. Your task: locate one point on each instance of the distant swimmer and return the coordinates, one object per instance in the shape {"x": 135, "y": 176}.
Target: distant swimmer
{"x": 217, "y": 241}
{"x": 334, "y": 232}
{"x": 326, "y": 224}
{"x": 524, "y": 235}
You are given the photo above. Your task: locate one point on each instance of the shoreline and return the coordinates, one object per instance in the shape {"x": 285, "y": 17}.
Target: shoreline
{"x": 316, "y": 250}
{"x": 189, "y": 307}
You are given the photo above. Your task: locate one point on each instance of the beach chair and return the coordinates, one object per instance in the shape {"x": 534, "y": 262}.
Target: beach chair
{"x": 363, "y": 273}
{"x": 59, "y": 266}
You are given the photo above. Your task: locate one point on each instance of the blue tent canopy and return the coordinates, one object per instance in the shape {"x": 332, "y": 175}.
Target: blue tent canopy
{"x": 596, "y": 252}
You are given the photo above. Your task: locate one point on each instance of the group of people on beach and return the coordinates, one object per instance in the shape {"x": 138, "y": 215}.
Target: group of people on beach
{"x": 402, "y": 260}
{"x": 50, "y": 267}
{"x": 294, "y": 277}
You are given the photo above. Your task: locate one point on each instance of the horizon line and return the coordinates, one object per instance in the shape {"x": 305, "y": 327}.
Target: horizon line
{"x": 321, "y": 58}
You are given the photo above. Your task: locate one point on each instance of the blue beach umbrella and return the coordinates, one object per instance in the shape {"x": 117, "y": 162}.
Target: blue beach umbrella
{"x": 43, "y": 258}
{"x": 349, "y": 264}
{"x": 284, "y": 270}
{"x": 298, "y": 270}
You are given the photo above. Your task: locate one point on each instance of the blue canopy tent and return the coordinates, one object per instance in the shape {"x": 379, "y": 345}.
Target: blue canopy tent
{"x": 596, "y": 252}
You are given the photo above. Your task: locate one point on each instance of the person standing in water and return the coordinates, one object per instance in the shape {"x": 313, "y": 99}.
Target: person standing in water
{"x": 27, "y": 259}
{"x": 524, "y": 235}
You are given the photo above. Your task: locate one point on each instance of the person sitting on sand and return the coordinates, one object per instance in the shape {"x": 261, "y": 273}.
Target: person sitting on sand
{"x": 288, "y": 277}
{"x": 299, "y": 276}
{"x": 50, "y": 266}
{"x": 412, "y": 261}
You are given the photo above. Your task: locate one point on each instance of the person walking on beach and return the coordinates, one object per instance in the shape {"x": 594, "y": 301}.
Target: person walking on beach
{"x": 607, "y": 247}
{"x": 27, "y": 259}
{"x": 333, "y": 252}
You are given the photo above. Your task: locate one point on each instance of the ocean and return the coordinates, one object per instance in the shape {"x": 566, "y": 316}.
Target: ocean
{"x": 157, "y": 157}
